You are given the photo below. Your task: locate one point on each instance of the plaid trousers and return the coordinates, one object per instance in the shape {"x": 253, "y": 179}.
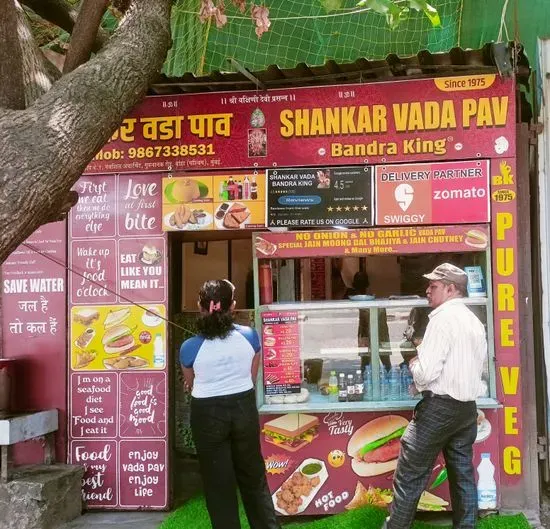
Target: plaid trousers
{"x": 437, "y": 425}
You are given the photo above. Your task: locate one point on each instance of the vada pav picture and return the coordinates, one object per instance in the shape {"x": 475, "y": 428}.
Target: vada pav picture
{"x": 374, "y": 448}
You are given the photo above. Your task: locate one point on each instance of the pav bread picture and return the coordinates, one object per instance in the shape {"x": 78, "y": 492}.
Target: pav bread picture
{"x": 476, "y": 239}
{"x": 374, "y": 448}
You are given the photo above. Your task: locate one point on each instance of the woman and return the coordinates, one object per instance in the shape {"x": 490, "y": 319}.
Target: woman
{"x": 220, "y": 365}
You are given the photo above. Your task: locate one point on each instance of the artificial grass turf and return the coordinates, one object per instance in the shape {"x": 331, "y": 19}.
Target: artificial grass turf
{"x": 193, "y": 515}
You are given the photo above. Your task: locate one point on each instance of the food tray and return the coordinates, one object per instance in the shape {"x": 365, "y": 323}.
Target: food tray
{"x": 306, "y": 500}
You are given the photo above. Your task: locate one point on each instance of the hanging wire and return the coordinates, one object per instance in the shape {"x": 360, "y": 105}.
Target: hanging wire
{"x": 121, "y": 296}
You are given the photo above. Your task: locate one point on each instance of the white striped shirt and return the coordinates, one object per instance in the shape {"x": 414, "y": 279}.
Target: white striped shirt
{"x": 453, "y": 353}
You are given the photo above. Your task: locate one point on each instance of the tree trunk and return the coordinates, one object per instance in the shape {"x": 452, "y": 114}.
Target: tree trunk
{"x": 45, "y": 148}
{"x": 84, "y": 33}
{"x": 11, "y": 67}
{"x": 63, "y": 15}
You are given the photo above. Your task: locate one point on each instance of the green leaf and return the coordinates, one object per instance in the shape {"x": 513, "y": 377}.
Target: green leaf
{"x": 394, "y": 14}
{"x": 332, "y": 5}
{"x": 379, "y": 6}
{"x": 429, "y": 11}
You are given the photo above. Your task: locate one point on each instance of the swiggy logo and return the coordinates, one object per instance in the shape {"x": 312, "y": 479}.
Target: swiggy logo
{"x": 404, "y": 194}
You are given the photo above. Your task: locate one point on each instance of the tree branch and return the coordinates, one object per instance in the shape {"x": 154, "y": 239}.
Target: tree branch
{"x": 11, "y": 67}
{"x": 38, "y": 73}
{"x": 45, "y": 148}
{"x": 84, "y": 32}
{"x": 63, "y": 15}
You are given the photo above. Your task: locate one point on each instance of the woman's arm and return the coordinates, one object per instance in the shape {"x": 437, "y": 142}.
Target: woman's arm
{"x": 188, "y": 378}
{"x": 255, "y": 367}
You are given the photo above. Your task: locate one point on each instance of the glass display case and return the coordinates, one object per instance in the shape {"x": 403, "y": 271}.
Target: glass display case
{"x": 350, "y": 355}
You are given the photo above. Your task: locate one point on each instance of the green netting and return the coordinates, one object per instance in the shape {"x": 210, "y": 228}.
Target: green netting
{"x": 302, "y": 31}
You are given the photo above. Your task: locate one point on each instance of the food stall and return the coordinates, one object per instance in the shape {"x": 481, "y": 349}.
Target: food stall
{"x": 386, "y": 179}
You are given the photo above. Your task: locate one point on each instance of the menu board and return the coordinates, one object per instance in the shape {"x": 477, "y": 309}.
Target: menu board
{"x": 281, "y": 350}
{"x": 432, "y": 193}
{"x": 321, "y": 196}
{"x": 213, "y": 202}
{"x": 117, "y": 341}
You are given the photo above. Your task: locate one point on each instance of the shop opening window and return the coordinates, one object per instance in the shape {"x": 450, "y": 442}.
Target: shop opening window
{"x": 352, "y": 349}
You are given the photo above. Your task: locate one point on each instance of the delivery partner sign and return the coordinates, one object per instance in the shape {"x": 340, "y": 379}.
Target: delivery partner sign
{"x": 436, "y": 193}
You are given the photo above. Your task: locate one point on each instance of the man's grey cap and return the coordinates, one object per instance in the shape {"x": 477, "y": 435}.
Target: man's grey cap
{"x": 448, "y": 272}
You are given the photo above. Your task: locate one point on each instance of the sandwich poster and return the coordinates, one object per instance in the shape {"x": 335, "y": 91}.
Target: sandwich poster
{"x": 326, "y": 463}
{"x": 213, "y": 202}
{"x": 436, "y": 193}
{"x": 118, "y": 338}
{"x": 322, "y": 196}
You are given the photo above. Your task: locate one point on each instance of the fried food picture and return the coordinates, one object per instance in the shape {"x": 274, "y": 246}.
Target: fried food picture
{"x": 296, "y": 493}
{"x": 83, "y": 359}
{"x": 125, "y": 362}
{"x": 182, "y": 216}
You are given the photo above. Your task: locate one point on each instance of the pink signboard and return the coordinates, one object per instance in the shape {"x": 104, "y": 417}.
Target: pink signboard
{"x": 140, "y": 205}
{"x": 94, "y": 260}
{"x": 143, "y": 476}
{"x": 323, "y": 448}
{"x": 379, "y": 241}
{"x": 143, "y": 404}
{"x": 437, "y": 193}
{"x": 34, "y": 326}
{"x": 118, "y": 349}
{"x": 142, "y": 269}
{"x": 99, "y": 458}
{"x": 281, "y": 350}
{"x": 94, "y": 405}
{"x": 94, "y": 215}
{"x": 414, "y": 120}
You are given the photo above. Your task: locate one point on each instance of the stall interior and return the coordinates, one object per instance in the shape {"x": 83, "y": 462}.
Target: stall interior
{"x": 359, "y": 322}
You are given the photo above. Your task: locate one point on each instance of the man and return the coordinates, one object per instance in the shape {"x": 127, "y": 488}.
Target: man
{"x": 448, "y": 371}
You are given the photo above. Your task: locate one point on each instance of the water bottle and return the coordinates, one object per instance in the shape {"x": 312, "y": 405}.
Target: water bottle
{"x": 351, "y": 388}
{"x": 384, "y": 385}
{"x": 367, "y": 383}
{"x": 342, "y": 388}
{"x": 395, "y": 383}
{"x": 333, "y": 387}
{"x": 158, "y": 352}
{"x": 359, "y": 388}
{"x": 406, "y": 381}
{"x": 486, "y": 484}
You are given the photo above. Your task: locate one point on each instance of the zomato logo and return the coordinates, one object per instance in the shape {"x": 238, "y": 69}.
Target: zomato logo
{"x": 404, "y": 194}
{"x": 450, "y": 194}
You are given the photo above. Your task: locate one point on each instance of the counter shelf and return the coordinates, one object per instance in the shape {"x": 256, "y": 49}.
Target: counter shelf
{"x": 330, "y": 332}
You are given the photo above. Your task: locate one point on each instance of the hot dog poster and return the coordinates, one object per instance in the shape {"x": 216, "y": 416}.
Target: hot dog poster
{"x": 327, "y": 463}
{"x": 118, "y": 337}
{"x": 213, "y": 202}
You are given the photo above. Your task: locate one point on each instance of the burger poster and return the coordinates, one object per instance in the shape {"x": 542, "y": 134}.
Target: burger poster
{"x": 327, "y": 463}
{"x": 432, "y": 193}
{"x": 118, "y": 337}
{"x": 213, "y": 202}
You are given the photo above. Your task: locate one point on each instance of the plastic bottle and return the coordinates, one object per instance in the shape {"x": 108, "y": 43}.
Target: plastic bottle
{"x": 406, "y": 381}
{"x": 223, "y": 188}
{"x": 225, "y": 192}
{"x": 342, "y": 388}
{"x": 351, "y": 388}
{"x": 395, "y": 383}
{"x": 240, "y": 190}
{"x": 158, "y": 351}
{"x": 486, "y": 484}
{"x": 253, "y": 189}
{"x": 333, "y": 387}
{"x": 246, "y": 188}
{"x": 359, "y": 388}
{"x": 367, "y": 383}
{"x": 384, "y": 389}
